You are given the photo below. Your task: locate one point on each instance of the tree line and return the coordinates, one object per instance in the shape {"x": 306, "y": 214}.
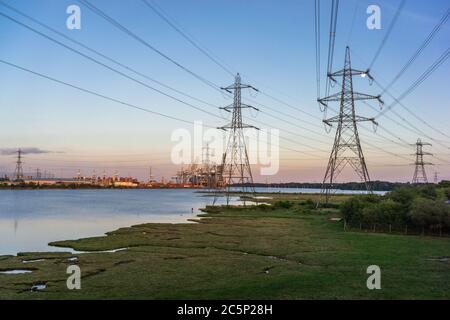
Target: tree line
{"x": 420, "y": 208}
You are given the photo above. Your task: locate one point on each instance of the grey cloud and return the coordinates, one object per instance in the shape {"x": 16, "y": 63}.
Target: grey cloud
{"x": 31, "y": 150}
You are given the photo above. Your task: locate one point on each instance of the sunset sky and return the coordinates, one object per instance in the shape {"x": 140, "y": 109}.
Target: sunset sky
{"x": 270, "y": 42}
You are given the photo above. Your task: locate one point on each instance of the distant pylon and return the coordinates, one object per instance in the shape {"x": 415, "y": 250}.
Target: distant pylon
{"x": 208, "y": 168}
{"x": 347, "y": 145}
{"x": 150, "y": 177}
{"x": 206, "y": 155}
{"x": 18, "y": 172}
{"x": 436, "y": 179}
{"x": 38, "y": 174}
{"x": 235, "y": 165}
{"x": 420, "y": 175}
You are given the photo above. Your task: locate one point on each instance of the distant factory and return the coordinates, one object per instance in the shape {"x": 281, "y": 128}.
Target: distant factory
{"x": 204, "y": 176}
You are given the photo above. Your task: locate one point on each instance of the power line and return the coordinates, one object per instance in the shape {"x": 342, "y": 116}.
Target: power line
{"x": 103, "y": 55}
{"x": 91, "y": 92}
{"x": 96, "y": 93}
{"x": 350, "y": 34}
{"x": 317, "y": 28}
{"x": 419, "y": 81}
{"x": 401, "y": 104}
{"x": 106, "y": 66}
{"x": 317, "y": 38}
{"x": 184, "y": 34}
{"x": 131, "y": 78}
{"x": 331, "y": 41}
{"x": 421, "y": 48}
{"x": 145, "y": 43}
{"x": 287, "y": 105}
{"x": 98, "y": 11}
{"x": 206, "y": 52}
{"x": 411, "y": 127}
{"x": 388, "y": 33}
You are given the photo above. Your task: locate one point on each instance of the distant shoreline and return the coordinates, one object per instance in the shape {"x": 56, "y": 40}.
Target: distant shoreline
{"x": 383, "y": 186}
{"x": 84, "y": 187}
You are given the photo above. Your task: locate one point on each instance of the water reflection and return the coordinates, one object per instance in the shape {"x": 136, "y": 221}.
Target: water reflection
{"x": 30, "y": 219}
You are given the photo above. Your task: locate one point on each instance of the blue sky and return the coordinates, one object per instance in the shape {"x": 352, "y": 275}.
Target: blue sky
{"x": 270, "y": 42}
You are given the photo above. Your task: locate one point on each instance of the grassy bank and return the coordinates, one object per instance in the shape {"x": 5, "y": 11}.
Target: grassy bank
{"x": 287, "y": 251}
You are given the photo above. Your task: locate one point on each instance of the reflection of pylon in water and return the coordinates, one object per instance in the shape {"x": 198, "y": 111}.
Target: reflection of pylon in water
{"x": 235, "y": 170}
{"x": 420, "y": 175}
{"x": 347, "y": 145}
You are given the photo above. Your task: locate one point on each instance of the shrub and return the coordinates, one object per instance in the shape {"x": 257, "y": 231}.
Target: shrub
{"x": 428, "y": 213}
{"x": 428, "y": 191}
{"x": 403, "y": 195}
{"x": 283, "y": 204}
{"x": 447, "y": 193}
{"x": 352, "y": 209}
{"x": 309, "y": 204}
{"x": 264, "y": 207}
{"x": 386, "y": 212}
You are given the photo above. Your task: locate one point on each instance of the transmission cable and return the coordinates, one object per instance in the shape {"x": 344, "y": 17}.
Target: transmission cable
{"x": 388, "y": 33}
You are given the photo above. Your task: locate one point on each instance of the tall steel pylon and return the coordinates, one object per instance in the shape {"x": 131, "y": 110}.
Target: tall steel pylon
{"x": 236, "y": 169}
{"x": 18, "y": 172}
{"x": 420, "y": 175}
{"x": 347, "y": 145}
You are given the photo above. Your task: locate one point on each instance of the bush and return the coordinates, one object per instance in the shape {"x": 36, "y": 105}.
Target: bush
{"x": 418, "y": 206}
{"x": 447, "y": 193}
{"x": 428, "y": 192}
{"x": 404, "y": 195}
{"x": 386, "y": 212}
{"x": 309, "y": 204}
{"x": 444, "y": 184}
{"x": 264, "y": 207}
{"x": 429, "y": 213}
{"x": 352, "y": 209}
{"x": 283, "y": 204}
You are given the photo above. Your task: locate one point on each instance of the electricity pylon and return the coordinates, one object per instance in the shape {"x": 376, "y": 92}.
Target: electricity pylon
{"x": 347, "y": 145}
{"x": 420, "y": 175}
{"x": 236, "y": 169}
{"x": 18, "y": 172}
{"x": 436, "y": 179}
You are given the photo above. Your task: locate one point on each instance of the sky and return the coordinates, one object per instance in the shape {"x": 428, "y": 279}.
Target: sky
{"x": 270, "y": 43}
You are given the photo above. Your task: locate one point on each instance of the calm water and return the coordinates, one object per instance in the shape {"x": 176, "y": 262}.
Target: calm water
{"x": 30, "y": 219}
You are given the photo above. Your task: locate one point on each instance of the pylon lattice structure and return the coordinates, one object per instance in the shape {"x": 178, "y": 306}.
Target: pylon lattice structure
{"x": 420, "y": 175}
{"x": 347, "y": 145}
{"x": 209, "y": 168}
{"x": 436, "y": 179}
{"x": 18, "y": 172}
{"x": 235, "y": 168}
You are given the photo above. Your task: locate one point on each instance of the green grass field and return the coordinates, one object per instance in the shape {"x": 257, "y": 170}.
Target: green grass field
{"x": 245, "y": 253}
